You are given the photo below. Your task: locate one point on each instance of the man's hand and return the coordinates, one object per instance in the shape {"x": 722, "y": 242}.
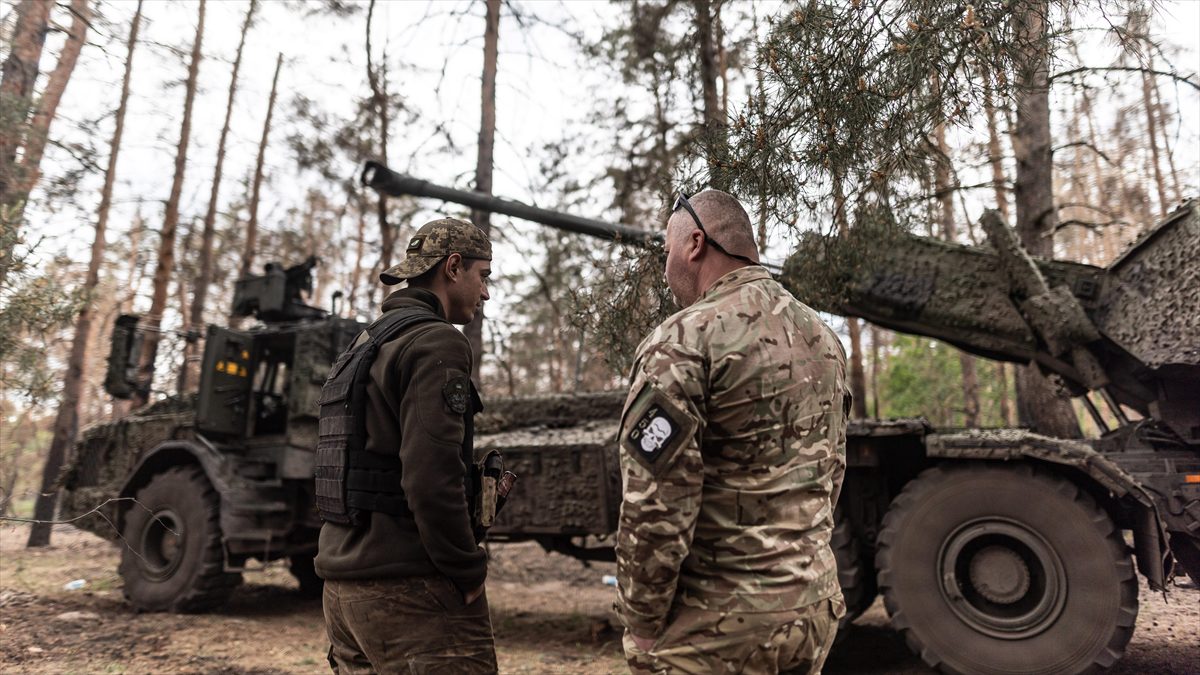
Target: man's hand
{"x": 643, "y": 643}
{"x": 471, "y": 596}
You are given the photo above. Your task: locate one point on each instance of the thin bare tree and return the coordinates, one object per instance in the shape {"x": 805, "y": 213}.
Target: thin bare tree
{"x": 1039, "y": 405}
{"x": 858, "y": 378}
{"x": 484, "y": 161}
{"x": 945, "y": 188}
{"x": 47, "y": 106}
{"x": 256, "y": 187}
{"x": 708, "y": 21}
{"x": 205, "y": 262}
{"x": 20, "y": 73}
{"x": 165, "y": 267}
{"x": 66, "y": 421}
{"x": 377, "y": 80}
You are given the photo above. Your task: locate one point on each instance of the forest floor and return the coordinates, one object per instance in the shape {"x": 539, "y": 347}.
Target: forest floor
{"x": 551, "y": 614}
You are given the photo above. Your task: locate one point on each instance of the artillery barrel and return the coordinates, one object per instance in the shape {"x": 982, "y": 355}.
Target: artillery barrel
{"x": 383, "y": 179}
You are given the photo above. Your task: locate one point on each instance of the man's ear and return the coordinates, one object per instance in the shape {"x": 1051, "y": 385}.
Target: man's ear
{"x": 696, "y": 245}
{"x": 453, "y": 266}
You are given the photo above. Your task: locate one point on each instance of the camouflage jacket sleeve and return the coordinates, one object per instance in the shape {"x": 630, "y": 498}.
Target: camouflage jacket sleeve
{"x": 662, "y": 475}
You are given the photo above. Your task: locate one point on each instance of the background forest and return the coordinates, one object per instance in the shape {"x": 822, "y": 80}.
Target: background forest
{"x": 152, "y": 153}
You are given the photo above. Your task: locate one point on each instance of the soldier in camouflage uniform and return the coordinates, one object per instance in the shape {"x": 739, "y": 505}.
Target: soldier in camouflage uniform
{"x": 732, "y": 448}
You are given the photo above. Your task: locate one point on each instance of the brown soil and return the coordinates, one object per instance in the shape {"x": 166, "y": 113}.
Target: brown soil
{"x": 551, "y": 614}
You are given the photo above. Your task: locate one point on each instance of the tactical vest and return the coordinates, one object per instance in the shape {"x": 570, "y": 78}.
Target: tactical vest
{"x": 350, "y": 480}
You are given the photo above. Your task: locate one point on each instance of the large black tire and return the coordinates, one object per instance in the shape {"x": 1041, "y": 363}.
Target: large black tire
{"x": 301, "y": 566}
{"x": 1006, "y": 569}
{"x": 172, "y": 560}
{"x": 1187, "y": 554}
{"x": 856, "y": 574}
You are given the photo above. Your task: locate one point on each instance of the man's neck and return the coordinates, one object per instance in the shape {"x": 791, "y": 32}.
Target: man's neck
{"x": 441, "y": 295}
{"x": 710, "y": 274}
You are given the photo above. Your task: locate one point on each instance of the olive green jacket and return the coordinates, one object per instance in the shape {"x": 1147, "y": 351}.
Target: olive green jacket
{"x": 408, "y": 413}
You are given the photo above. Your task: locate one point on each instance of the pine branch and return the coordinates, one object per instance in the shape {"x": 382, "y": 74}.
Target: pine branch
{"x": 1126, "y": 69}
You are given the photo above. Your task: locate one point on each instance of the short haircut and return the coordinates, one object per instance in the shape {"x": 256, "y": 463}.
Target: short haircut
{"x": 425, "y": 279}
{"x": 726, "y": 221}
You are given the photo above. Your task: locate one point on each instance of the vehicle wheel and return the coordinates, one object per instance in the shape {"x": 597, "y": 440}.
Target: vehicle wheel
{"x": 855, "y": 574}
{"x": 301, "y": 566}
{"x": 172, "y": 559}
{"x": 1187, "y": 554}
{"x": 989, "y": 569}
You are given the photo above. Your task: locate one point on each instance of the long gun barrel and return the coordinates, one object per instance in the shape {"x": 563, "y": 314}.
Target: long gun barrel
{"x": 383, "y": 179}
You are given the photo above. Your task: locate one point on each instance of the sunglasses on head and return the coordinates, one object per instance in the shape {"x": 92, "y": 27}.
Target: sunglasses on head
{"x": 682, "y": 201}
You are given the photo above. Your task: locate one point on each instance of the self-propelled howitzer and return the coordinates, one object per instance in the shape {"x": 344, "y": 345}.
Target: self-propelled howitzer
{"x": 996, "y": 550}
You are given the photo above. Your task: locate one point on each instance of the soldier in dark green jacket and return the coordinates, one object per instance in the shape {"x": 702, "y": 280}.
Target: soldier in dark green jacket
{"x": 404, "y": 592}
{"x": 732, "y": 449}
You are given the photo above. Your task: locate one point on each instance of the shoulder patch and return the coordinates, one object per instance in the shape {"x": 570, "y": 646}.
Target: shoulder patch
{"x": 457, "y": 393}
{"x": 655, "y": 429}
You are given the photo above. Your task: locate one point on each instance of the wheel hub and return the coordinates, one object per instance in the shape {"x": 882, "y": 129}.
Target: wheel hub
{"x": 161, "y": 544}
{"x": 1000, "y": 575}
{"x": 1002, "y": 578}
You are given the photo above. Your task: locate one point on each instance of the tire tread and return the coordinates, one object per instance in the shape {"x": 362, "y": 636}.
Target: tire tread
{"x": 931, "y": 480}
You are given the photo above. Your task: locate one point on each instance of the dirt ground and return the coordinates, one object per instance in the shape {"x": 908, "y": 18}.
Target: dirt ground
{"x": 550, "y": 613}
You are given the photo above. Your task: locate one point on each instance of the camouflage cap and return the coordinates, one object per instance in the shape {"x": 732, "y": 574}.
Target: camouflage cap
{"x": 433, "y": 242}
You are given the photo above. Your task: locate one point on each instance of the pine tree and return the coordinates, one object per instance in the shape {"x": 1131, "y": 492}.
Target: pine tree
{"x": 165, "y": 266}
{"x": 250, "y": 244}
{"x": 204, "y": 278}
{"x": 484, "y": 159}
{"x": 66, "y": 422}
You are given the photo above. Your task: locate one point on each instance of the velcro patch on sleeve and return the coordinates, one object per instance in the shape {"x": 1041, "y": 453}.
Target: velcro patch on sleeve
{"x": 655, "y": 429}
{"x": 457, "y": 393}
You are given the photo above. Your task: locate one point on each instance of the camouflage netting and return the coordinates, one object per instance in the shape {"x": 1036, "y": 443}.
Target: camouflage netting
{"x": 556, "y": 410}
{"x": 567, "y": 478}
{"x": 106, "y": 455}
{"x": 822, "y": 270}
{"x": 1154, "y": 310}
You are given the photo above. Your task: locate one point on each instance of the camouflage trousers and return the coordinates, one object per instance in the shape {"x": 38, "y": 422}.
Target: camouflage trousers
{"x": 412, "y": 625}
{"x": 704, "y": 641}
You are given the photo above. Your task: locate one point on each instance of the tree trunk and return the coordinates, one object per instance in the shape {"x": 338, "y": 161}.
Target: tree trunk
{"x": 204, "y": 278}
{"x": 483, "y": 163}
{"x": 760, "y": 105}
{"x": 1161, "y": 109}
{"x": 185, "y": 274}
{"x": 20, "y": 72}
{"x": 1039, "y": 405}
{"x": 136, "y": 269}
{"x": 359, "y": 246}
{"x": 377, "y": 79}
{"x": 945, "y": 191}
{"x": 121, "y": 407}
{"x": 722, "y": 57}
{"x": 1006, "y": 410}
{"x": 858, "y": 380}
{"x": 47, "y": 107}
{"x": 876, "y": 337}
{"x": 1152, "y": 133}
{"x": 256, "y": 189}
{"x": 714, "y": 118}
{"x": 66, "y": 420}
{"x": 996, "y": 155}
{"x": 11, "y": 464}
{"x": 166, "y": 248}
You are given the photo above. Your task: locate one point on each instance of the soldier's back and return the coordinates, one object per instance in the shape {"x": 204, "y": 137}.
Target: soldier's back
{"x": 773, "y": 448}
